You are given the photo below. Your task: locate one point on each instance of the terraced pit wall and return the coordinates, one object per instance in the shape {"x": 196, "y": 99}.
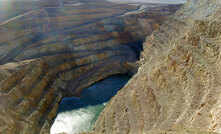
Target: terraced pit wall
{"x": 52, "y": 51}
{"x": 177, "y": 88}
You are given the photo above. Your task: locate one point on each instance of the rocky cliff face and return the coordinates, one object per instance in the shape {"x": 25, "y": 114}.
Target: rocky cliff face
{"x": 178, "y": 86}
{"x": 53, "y": 50}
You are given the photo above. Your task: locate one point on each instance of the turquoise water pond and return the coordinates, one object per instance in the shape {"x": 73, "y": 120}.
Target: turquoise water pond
{"x": 80, "y": 114}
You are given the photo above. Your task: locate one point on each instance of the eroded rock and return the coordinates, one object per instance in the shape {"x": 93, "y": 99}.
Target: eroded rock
{"x": 178, "y": 83}
{"x": 54, "y": 50}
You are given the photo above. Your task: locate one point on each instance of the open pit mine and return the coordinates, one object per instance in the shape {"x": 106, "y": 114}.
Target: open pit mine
{"x": 52, "y": 49}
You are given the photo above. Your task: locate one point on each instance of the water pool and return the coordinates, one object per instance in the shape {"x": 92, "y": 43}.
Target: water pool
{"x": 80, "y": 114}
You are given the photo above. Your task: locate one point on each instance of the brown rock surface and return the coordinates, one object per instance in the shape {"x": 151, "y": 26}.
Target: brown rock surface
{"x": 179, "y": 81}
{"x": 52, "y": 30}
{"x": 52, "y": 50}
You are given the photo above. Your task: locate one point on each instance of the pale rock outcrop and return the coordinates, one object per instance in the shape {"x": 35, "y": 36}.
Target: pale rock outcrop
{"x": 179, "y": 82}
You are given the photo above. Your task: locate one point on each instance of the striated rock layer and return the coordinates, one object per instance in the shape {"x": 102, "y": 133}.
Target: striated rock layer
{"x": 179, "y": 82}
{"x": 53, "y": 50}
{"x": 51, "y": 30}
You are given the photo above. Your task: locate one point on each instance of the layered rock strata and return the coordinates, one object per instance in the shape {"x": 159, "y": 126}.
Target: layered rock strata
{"x": 54, "y": 50}
{"x": 179, "y": 82}
{"x": 72, "y": 28}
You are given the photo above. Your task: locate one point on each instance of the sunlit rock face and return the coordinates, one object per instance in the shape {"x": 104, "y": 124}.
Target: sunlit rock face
{"x": 178, "y": 86}
{"x": 50, "y": 50}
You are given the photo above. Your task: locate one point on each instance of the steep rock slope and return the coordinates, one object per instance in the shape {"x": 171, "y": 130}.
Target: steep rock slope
{"x": 50, "y": 30}
{"x": 179, "y": 81}
{"x": 54, "y": 50}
